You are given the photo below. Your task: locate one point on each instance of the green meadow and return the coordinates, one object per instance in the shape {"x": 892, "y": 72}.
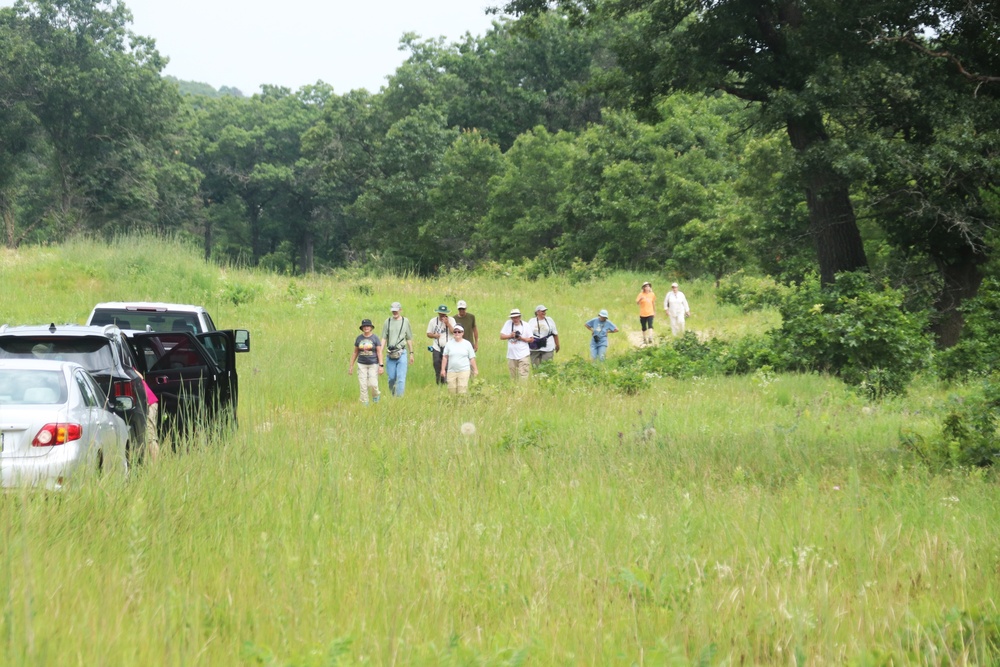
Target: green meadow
{"x": 766, "y": 519}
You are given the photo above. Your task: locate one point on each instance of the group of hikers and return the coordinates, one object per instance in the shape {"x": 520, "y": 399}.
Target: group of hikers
{"x": 454, "y": 342}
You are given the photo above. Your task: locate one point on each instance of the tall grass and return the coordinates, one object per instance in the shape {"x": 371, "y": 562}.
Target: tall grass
{"x": 758, "y": 520}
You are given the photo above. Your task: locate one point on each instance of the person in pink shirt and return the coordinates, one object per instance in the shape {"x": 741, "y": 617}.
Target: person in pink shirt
{"x": 152, "y": 414}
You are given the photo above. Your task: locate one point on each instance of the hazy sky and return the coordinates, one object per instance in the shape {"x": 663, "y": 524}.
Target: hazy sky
{"x": 246, "y": 43}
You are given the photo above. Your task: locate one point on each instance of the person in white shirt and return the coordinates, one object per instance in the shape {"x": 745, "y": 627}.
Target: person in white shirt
{"x": 439, "y": 329}
{"x": 676, "y": 305}
{"x": 459, "y": 362}
{"x": 541, "y": 327}
{"x": 515, "y": 332}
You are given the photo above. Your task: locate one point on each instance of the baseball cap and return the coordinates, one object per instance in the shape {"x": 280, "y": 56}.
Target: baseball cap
{"x": 461, "y": 304}
{"x": 540, "y": 307}
{"x": 459, "y": 327}
{"x": 673, "y": 285}
{"x": 395, "y": 306}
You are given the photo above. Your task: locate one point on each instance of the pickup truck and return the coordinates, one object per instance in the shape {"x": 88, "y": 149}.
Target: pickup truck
{"x": 161, "y": 317}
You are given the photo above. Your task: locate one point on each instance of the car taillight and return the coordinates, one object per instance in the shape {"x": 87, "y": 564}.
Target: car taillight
{"x": 57, "y": 434}
{"x": 123, "y": 388}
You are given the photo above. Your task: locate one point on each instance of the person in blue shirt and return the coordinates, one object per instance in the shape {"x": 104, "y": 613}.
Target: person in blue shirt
{"x": 599, "y": 328}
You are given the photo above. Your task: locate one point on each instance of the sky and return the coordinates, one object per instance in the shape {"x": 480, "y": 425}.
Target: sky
{"x": 346, "y": 43}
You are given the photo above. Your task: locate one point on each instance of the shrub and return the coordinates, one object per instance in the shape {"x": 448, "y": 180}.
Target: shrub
{"x": 579, "y": 373}
{"x": 978, "y": 349}
{"x": 751, "y": 292}
{"x": 854, "y": 329}
{"x": 968, "y": 435}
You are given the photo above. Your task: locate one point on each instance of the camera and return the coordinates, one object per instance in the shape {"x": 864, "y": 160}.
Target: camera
{"x": 597, "y": 339}
{"x": 393, "y": 348}
{"x": 517, "y": 334}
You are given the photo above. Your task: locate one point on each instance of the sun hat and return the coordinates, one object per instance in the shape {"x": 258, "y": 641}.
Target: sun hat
{"x": 442, "y": 309}
{"x": 461, "y": 304}
{"x": 514, "y": 312}
{"x": 540, "y": 307}
{"x": 673, "y": 285}
{"x": 603, "y": 313}
{"x": 458, "y": 327}
{"x": 647, "y": 283}
{"x": 366, "y": 323}
{"x": 395, "y": 306}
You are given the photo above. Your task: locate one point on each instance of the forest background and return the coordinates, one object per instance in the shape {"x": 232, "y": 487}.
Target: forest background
{"x": 696, "y": 138}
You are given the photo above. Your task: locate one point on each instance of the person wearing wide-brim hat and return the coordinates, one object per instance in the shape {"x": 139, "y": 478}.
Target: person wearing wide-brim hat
{"x": 515, "y": 332}
{"x": 600, "y": 327}
{"x": 647, "y": 309}
{"x": 368, "y": 355}
{"x": 440, "y": 329}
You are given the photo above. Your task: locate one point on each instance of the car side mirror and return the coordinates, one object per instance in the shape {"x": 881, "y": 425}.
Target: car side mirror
{"x": 242, "y": 340}
{"x": 123, "y": 403}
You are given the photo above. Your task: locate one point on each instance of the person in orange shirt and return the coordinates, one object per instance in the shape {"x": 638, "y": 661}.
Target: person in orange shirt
{"x": 647, "y": 309}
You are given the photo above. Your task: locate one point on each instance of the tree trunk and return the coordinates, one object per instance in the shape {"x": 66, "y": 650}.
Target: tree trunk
{"x": 961, "y": 281}
{"x": 7, "y": 213}
{"x": 831, "y": 214}
{"x": 308, "y": 253}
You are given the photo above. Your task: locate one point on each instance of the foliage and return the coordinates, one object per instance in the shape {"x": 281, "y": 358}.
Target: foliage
{"x": 854, "y": 329}
{"x": 582, "y": 375}
{"x": 968, "y": 435}
{"x": 751, "y": 292}
{"x": 978, "y": 350}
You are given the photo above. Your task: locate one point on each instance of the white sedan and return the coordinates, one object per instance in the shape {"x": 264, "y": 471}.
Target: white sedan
{"x": 57, "y": 425}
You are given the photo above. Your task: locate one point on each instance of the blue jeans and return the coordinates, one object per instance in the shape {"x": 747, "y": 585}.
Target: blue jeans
{"x": 395, "y": 370}
{"x": 598, "y": 350}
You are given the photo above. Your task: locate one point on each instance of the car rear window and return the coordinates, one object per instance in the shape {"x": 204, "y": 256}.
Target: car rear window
{"x": 140, "y": 320}
{"x": 92, "y": 352}
{"x": 31, "y": 387}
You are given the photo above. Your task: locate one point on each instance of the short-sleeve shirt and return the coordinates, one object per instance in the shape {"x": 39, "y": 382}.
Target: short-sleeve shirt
{"x": 443, "y": 331}
{"x": 517, "y": 348}
{"x": 395, "y": 333}
{"x": 468, "y": 323}
{"x": 540, "y": 328}
{"x": 601, "y": 329}
{"x": 366, "y": 349}
{"x": 459, "y": 353}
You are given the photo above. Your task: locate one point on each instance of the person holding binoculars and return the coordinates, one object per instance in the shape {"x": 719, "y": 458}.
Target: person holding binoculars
{"x": 599, "y": 328}
{"x": 515, "y": 332}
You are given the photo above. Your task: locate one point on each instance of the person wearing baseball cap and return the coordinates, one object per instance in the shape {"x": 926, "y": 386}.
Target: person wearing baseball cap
{"x": 647, "y": 309}
{"x": 600, "y": 327}
{"x": 368, "y": 355}
{"x": 439, "y": 329}
{"x": 515, "y": 332}
{"x": 543, "y": 337}
{"x": 676, "y": 305}
{"x": 468, "y": 322}
{"x": 397, "y": 336}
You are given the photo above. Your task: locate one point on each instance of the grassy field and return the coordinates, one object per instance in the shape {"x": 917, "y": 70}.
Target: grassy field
{"x": 719, "y": 521}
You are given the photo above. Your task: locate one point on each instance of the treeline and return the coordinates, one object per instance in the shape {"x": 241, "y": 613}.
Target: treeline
{"x": 781, "y": 137}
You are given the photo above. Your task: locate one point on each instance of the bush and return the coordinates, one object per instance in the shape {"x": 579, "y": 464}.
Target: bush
{"x": 587, "y": 375}
{"x": 968, "y": 436}
{"x": 751, "y": 292}
{"x": 853, "y": 329}
{"x": 978, "y": 349}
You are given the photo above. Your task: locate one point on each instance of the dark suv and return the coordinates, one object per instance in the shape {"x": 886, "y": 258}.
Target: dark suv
{"x": 193, "y": 376}
{"x": 104, "y": 351}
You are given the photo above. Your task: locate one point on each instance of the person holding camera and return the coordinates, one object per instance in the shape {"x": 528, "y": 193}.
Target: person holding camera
{"x": 599, "y": 328}
{"x": 397, "y": 336}
{"x": 543, "y": 339}
{"x": 368, "y": 355}
{"x": 459, "y": 362}
{"x": 515, "y": 332}
{"x": 439, "y": 329}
